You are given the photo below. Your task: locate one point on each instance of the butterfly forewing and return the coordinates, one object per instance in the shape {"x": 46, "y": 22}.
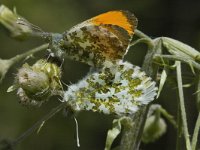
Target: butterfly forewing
{"x": 103, "y": 38}
{"x": 94, "y": 45}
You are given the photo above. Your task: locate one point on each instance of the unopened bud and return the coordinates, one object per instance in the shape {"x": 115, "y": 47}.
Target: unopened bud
{"x": 9, "y": 19}
{"x": 37, "y": 83}
{"x": 154, "y": 129}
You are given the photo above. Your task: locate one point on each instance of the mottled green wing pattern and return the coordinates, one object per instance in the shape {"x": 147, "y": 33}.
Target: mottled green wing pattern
{"x": 119, "y": 89}
{"x": 96, "y": 45}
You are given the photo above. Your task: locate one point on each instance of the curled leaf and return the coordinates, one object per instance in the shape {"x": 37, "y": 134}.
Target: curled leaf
{"x": 154, "y": 128}
{"x": 115, "y": 131}
{"x": 178, "y": 48}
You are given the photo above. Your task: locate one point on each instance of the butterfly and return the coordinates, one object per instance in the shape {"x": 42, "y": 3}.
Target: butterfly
{"x": 97, "y": 41}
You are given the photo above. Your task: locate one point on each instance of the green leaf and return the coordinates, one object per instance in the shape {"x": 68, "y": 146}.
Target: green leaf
{"x": 180, "y": 49}
{"x": 113, "y": 133}
{"x": 191, "y": 67}
{"x": 116, "y": 130}
{"x": 154, "y": 128}
{"x": 162, "y": 81}
{"x": 12, "y": 88}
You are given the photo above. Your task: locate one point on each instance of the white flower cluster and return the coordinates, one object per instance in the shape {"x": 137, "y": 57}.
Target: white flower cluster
{"x": 118, "y": 89}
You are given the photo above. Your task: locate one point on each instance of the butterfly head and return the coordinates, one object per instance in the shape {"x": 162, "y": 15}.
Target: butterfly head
{"x": 55, "y": 53}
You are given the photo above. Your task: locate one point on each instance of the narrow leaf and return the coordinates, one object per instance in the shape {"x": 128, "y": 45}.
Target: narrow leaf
{"x": 162, "y": 81}
{"x": 178, "y": 48}
{"x": 191, "y": 67}
{"x": 40, "y": 127}
{"x": 113, "y": 133}
{"x": 12, "y": 88}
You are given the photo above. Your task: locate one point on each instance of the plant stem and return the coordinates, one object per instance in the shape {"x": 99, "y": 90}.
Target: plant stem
{"x": 179, "y": 129}
{"x": 196, "y": 133}
{"x": 5, "y": 64}
{"x": 142, "y": 40}
{"x": 140, "y": 34}
{"x": 197, "y": 125}
{"x": 169, "y": 117}
{"x": 38, "y": 124}
{"x": 132, "y": 135}
{"x": 182, "y": 105}
{"x": 19, "y": 57}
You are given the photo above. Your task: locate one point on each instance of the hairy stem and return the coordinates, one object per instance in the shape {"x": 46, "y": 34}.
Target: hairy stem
{"x": 131, "y": 137}
{"x": 140, "y": 34}
{"x": 179, "y": 129}
{"x": 182, "y": 105}
{"x": 196, "y": 133}
{"x": 5, "y": 64}
{"x": 19, "y": 57}
{"x": 197, "y": 126}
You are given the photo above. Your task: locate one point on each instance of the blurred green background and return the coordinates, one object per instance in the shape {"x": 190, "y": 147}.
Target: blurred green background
{"x": 179, "y": 19}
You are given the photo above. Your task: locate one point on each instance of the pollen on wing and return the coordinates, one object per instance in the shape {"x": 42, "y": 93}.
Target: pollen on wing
{"x": 119, "y": 89}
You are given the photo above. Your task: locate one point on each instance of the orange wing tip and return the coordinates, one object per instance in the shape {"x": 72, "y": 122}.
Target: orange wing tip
{"x": 133, "y": 21}
{"x": 123, "y": 19}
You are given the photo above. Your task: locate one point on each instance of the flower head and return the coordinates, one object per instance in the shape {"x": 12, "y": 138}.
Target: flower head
{"x": 38, "y": 82}
{"x": 9, "y": 20}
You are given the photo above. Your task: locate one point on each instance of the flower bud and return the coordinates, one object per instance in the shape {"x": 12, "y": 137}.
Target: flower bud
{"x": 34, "y": 82}
{"x": 37, "y": 83}
{"x": 154, "y": 128}
{"x": 9, "y": 20}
